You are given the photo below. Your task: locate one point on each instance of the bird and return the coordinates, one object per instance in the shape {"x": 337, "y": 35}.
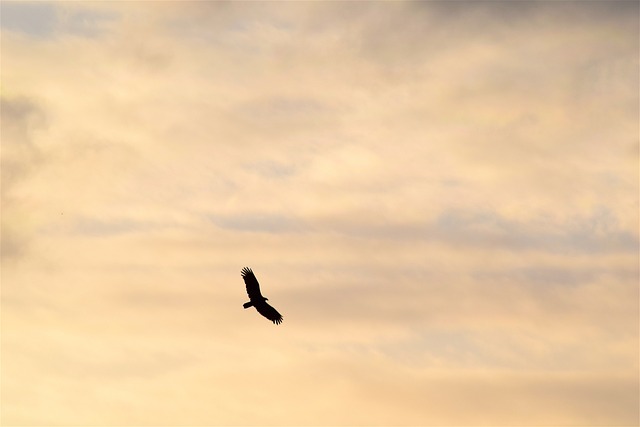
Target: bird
{"x": 256, "y": 299}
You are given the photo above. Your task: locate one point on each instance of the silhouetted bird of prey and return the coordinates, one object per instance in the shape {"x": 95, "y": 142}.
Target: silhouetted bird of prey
{"x": 256, "y": 298}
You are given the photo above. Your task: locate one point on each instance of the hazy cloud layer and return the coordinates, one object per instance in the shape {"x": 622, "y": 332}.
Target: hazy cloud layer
{"x": 440, "y": 197}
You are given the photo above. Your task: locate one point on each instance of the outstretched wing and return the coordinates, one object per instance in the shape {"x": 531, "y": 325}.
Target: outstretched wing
{"x": 269, "y": 312}
{"x": 253, "y": 287}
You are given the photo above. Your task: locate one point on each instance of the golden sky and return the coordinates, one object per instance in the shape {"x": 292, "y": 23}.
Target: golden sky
{"x": 441, "y": 198}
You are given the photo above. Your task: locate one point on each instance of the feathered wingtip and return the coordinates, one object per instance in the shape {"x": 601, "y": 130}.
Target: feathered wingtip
{"x": 245, "y": 271}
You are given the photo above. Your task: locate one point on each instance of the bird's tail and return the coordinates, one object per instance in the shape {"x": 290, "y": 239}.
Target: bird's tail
{"x": 247, "y": 304}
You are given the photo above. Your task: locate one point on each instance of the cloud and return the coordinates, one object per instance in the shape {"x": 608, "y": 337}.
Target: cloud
{"x": 21, "y": 118}
{"x": 37, "y": 19}
{"x": 441, "y": 200}
{"x": 259, "y": 223}
{"x": 43, "y": 20}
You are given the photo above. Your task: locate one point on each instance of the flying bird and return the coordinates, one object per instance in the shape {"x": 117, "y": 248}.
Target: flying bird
{"x": 256, "y": 299}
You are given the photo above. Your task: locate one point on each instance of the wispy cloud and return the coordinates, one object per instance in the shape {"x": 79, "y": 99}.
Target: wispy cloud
{"x": 50, "y": 19}
{"x": 440, "y": 197}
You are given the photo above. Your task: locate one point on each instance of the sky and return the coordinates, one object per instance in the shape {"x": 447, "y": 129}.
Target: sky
{"x": 441, "y": 198}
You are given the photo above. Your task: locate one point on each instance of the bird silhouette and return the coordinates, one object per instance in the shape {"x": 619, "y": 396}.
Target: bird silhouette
{"x": 256, "y": 299}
